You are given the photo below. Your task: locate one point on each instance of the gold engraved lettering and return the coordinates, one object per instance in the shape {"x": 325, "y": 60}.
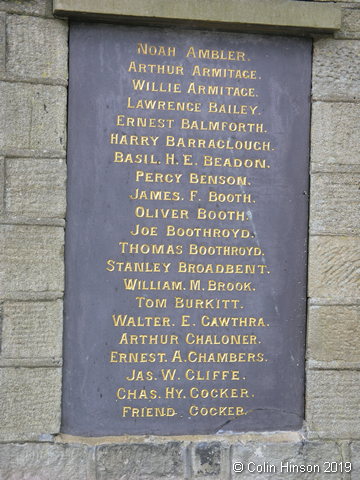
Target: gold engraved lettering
{"x": 168, "y": 374}
{"x": 219, "y": 144}
{"x": 224, "y": 250}
{"x": 208, "y": 54}
{"x": 221, "y": 268}
{"x": 138, "y": 284}
{"x": 154, "y": 339}
{"x": 151, "y": 302}
{"x": 125, "y": 320}
{"x": 144, "y": 122}
{"x": 155, "y": 195}
{"x": 210, "y": 125}
{"x": 235, "y": 339}
{"x": 142, "y": 140}
{"x": 213, "y": 285}
{"x": 210, "y": 375}
{"x": 160, "y": 50}
{"x": 150, "y": 249}
{"x": 144, "y": 231}
{"x": 150, "y": 177}
{"x": 142, "y": 212}
{"x": 155, "y": 68}
{"x": 204, "y": 214}
{"x": 207, "y": 303}
{"x": 202, "y": 411}
{"x": 235, "y": 109}
{"x": 121, "y": 157}
{"x": 207, "y": 321}
{"x": 172, "y": 231}
{"x": 137, "y": 357}
{"x": 217, "y": 179}
{"x": 135, "y": 394}
{"x": 148, "y": 412}
{"x": 143, "y": 267}
{"x": 167, "y": 105}
{"x": 209, "y": 161}
{"x": 140, "y": 376}
{"x": 223, "y": 357}
{"x": 197, "y": 89}
{"x": 199, "y": 71}
{"x": 196, "y": 392}
{"x": 173, "y": 393}
{"x": 160, "y": 87}
{"x": 229, "y": 197}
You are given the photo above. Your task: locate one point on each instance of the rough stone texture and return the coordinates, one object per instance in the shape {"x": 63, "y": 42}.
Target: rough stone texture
{"x": 334, "y": 266}
{"x": 334, "y": 140}
{"x": 44, "y": 462}
{"x": 140, "y": 461}
{"x": 334, "y": 202}
{"x": 334, "y": 334}
{"x": 206, "y": 459}
{"x": 2, "y": 184}
{"x": 37, "y": 47}
{"x": 272, "y": 457}
{"x": 336, "y": 72}
{"x": 33, "y": 7}
{"x": 36, "y": 187}
{"x": 34, "y": 117}
{"x": 332, "y": 406}
{"x": 32, "y": 330}
{"x": 2, "y": 42}
{"x": 355, "y": 460}
{"x": 350, "y": 25}
{"x": 339, "y": 1}
{"x": 32, "y": 259}
{"x": 30, "y": 402}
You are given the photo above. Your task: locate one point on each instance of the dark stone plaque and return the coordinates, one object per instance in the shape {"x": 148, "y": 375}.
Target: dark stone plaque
{"x": 186, "y": 233}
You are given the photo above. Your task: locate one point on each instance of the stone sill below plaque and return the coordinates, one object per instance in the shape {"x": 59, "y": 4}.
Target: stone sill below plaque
{"x": 256, "y": 16}
{"x": 261, "y": 437}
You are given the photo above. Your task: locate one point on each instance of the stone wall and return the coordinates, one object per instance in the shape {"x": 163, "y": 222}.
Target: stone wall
{"x": 33, "y": 81}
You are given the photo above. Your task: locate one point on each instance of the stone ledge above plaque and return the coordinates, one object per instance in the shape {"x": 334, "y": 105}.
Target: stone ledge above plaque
{"x": 263, "y": 16}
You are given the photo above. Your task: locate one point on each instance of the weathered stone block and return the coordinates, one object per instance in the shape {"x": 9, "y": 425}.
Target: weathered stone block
{"x": 32, "y": 259}
{"x": 270, "y": 461}
{"x": 32, "y": 7}
{"x": 36, "y": 187}
{"x": 334, "y": 334}
{"x": 332, "y": 403}
{"x": 206, "y": 460}
{"x": 334, "y": 266}
{"x": 355, "y": 460}
{"x": 33, "y": 461}
{"x": 140, "y": 461}
{"x": 336, "y": 72}
{"x": 335, "y": 141}
{"x": 33, "y": 117}
{"x": 32, "y": 330}
{"x": 342, "y": 1}
{"x": 30, "y": 402}
{"x": 37, "y": 47}
{"x": 2, "y": 184}
{"x": 2, "y": 42}
{"x": 350, "y": 25}
{"x": 334, "y": 201}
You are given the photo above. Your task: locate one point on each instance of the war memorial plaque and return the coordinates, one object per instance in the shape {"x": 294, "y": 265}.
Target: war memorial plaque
{"x": 186, "y": 236}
